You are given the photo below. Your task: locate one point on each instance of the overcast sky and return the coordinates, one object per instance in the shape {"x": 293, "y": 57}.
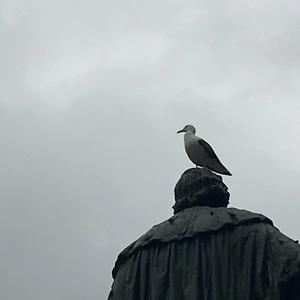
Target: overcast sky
{"x": 92, "y": 94}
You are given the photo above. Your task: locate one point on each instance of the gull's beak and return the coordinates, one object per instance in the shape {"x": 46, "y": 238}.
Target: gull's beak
{"x": 182, "y": 130}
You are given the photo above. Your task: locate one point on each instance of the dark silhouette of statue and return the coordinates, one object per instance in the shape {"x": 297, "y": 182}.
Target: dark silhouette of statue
{"x": 208, "y": 251}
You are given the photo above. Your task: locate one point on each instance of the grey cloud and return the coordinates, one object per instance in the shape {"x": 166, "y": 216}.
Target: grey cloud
{"x": 92, "y": 95}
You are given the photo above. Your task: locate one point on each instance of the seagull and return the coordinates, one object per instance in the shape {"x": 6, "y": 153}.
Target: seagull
{"x": 200, "y": 152}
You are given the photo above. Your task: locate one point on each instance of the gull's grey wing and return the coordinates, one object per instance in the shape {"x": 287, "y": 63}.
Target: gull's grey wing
{"x": 208, "y": 149}
{"x": 213, "y": 161}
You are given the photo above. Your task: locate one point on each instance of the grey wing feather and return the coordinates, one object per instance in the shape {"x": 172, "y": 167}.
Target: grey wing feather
{"x": 209, "y": 150}
{"x": 214, "y": 164}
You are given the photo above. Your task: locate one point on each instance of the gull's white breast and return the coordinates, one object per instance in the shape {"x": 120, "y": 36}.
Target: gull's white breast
{"x": 193, "y": 149}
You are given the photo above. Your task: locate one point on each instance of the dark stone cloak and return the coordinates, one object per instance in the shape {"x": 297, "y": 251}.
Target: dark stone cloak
{"x": 209, "y": 254}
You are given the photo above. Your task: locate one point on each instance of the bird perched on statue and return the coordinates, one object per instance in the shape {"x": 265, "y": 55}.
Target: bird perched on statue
{"x": 200, "y": 152}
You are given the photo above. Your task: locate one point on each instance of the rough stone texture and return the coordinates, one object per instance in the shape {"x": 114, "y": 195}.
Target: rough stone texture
{"x": 200, "y": 186}
{"x": 208, "y": 252}
{"x": 189, "y": 223}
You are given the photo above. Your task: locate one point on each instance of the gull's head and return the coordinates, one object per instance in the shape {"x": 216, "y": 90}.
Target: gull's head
{"x": 188, "y": 128}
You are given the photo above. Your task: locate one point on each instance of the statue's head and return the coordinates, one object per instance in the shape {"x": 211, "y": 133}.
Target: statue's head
{"x": 200, "y": 187}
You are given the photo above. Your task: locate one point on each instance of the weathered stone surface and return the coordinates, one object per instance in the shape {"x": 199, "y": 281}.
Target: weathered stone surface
{"x": 200, "y": 186}
{"x": 208, "y": 251}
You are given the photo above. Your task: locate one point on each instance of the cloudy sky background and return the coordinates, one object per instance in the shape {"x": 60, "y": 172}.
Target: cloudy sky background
{"x": 92, "y": 94}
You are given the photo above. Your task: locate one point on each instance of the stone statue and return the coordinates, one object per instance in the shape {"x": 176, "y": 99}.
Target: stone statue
{"x": 208, "y": 251}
